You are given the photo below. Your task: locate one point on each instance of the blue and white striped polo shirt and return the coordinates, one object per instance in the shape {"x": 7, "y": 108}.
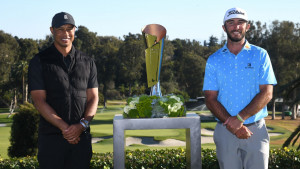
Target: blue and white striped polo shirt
{"x": 237, "y": 77}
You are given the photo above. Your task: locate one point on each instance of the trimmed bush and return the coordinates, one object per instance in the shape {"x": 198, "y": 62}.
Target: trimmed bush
{"x": 168, "y": 158}
{"x": 101, "y": 99}
{"x": 284, "y": 158}
{"x": 24, "y": 132}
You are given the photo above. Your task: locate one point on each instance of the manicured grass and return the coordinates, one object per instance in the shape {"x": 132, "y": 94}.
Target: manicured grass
{"x": 286, "y": 127}
{"x": 102, "y": 126}
{"x": 4, "y": 141}
{"x": 4, "y": 110}
{"x": 5, "y": 119}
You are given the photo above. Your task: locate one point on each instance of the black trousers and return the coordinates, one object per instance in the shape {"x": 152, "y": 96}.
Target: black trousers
{"x": 55, "y": 152}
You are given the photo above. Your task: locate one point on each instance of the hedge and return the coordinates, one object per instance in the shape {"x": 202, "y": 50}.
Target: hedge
{"x": 167, "y": 158}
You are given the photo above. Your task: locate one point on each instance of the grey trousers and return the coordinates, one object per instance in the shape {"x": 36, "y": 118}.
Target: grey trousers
{"x": 234, "y": 153}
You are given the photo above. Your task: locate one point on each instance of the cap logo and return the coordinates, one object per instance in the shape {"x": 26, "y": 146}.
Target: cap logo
{"x": 235, "y": 12}
{"x": 65, "y": 17}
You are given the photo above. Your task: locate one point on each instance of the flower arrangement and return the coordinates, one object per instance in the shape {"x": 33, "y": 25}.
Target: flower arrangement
{"x": 146, "y": 106}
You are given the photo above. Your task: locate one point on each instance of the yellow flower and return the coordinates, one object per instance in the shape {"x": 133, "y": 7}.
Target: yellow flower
{"x": 130, "y": 155}
{"x": 286, "y": 149}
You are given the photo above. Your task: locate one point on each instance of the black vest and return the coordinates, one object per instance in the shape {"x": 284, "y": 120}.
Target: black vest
{"x": 65, "y": 88}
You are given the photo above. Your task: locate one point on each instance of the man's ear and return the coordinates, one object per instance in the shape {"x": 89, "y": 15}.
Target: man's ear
{"x": 52, "y": 30}
{"x": 247, "y": 27}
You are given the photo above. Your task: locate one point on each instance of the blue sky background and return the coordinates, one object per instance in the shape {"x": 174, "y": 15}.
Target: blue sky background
{"x": 184, "y": 19}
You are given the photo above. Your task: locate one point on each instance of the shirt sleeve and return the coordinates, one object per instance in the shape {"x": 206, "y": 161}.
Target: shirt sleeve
{"x": 210, "y": 78}
{"x": 266, "y": 73}
{"x": 93, "y": 83}
{"x": 35, "y": 75}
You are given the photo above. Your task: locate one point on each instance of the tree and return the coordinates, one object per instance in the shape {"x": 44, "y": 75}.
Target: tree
{"x": 85, "y": 40}
{"x": 189, "y": 66}
{"x": 257, "y": 34}
{"x": 191, "y": 74}
{"x": 27, "y": 49}
{"x": 106, "y": 60}
{"x": 213, "y": 41}
{"x": 8, "y": 55}
{"x": 283, "y": 45}
{"x": 43, "y": 44}
{"x": 131, "y": 57}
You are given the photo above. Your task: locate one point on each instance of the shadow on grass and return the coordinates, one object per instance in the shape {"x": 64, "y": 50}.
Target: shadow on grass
{"x": 101, "y": 122}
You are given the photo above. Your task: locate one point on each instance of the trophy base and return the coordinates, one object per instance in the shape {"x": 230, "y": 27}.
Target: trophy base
{"x": 155, "y": 90}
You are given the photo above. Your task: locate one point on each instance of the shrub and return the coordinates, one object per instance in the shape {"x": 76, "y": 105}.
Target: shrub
{"x": 113, "y": 94}
{"x": 19, "y": 163}
{"x": 284, "y": 158}
{"x": 24, "y": 132}
{"x": 167, "y": 158}
{"x": 101, "y": 99}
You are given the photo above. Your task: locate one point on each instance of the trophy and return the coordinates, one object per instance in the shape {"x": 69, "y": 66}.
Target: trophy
{"x": 154, "y": 35}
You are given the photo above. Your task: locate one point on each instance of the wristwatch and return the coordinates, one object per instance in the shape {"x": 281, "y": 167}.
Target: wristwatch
{"x": 85, "y": 123}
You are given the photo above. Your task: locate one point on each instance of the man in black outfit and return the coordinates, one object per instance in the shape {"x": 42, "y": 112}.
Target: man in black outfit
{"x": 64, "y": 88}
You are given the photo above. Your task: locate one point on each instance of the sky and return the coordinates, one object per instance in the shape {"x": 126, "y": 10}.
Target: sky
{"x": 184, "y": 19}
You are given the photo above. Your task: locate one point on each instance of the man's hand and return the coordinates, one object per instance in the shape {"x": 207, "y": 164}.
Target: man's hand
{"x": 72, "y": 133}
{"x": 243, "y": 133}
{"x": 233, "y": 124}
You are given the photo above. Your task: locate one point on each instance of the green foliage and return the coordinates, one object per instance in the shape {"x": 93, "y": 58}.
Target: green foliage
{"x": 24, "y": 132}
{"x": 184, "y": 94}
{"x": 101, "y": 99}
{"x": 19, "y": 163}
{"x": 146, "y": 106}
{"x": 8, "y": 54}
{"x": 102, "y": 160}
{"x": 284, "y": 158}
{"x": 166, "y": 158}
{"x": 209, "y": 159}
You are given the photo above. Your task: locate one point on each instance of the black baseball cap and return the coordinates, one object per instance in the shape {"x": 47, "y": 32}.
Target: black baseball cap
{"x": 62, "y": 18}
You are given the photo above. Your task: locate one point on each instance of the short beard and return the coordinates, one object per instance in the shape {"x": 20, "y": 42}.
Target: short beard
{"x": 234, "y": 39}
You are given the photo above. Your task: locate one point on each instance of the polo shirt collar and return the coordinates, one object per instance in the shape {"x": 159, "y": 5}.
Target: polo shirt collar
{"x": 57, "y": 53}
{"x": 72, "y": 52}
{"x": 247, "y": 47}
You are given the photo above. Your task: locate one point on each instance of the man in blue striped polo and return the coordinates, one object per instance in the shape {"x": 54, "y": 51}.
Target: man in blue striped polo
{"x": 238, "y": 84}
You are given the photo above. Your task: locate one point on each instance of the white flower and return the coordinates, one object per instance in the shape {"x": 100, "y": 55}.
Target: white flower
{"x": 127, "y": 109}
{"x": 175, "y": 107}
{"x": 175, "y": 97}
{"x": 133, "y": 103}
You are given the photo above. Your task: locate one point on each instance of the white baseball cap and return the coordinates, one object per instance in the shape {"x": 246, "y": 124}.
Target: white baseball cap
{"x": 235, "y": 13}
